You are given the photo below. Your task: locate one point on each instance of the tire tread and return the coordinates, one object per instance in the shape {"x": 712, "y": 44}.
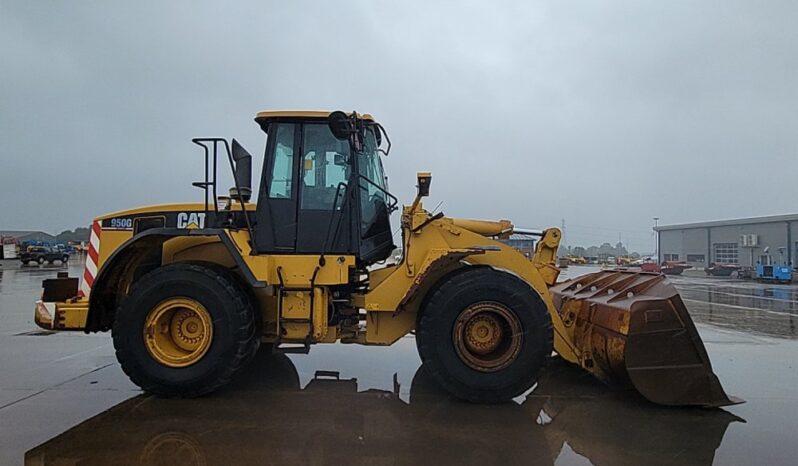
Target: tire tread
{"x": 470, "y": 278}
{"x": 246, "y": 339}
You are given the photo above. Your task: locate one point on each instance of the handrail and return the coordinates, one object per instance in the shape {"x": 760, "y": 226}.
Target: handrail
{"x": 392, "y": 207}
{"x": 208, "y": 183}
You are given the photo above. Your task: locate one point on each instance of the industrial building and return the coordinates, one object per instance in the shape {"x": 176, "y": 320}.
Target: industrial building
{"x": 745, "y": 241}
{"x": 10, "y": 241}
{"x": 24, "y": 236}
{"x": 522, "y": 242}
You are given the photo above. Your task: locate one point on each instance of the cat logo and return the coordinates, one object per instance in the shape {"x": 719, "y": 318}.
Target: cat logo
{"x": 192, "y": 220}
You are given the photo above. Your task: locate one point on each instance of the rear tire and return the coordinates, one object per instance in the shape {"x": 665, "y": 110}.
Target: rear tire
{"x": 40, "y": 260}
{"x": 146, "y": 345}
{"x": 484, "y": 335}
{"x": 65, "y": 260}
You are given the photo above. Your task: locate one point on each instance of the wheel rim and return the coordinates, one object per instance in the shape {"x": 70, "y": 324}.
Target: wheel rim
{"x": 178, "y": 332}
{"x": 487, "y": 336}
{"x": 173, "y": 448}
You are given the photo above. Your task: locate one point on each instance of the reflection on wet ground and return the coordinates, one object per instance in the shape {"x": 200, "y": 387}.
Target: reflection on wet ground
{"x": 763, "y": 308}
{"x": 768, "y": 309}
{"x": 265, "y": 417}
{"x": 64, "y": 400}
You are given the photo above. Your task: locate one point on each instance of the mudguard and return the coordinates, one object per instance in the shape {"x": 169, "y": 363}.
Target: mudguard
{"x": 140, "y": 254}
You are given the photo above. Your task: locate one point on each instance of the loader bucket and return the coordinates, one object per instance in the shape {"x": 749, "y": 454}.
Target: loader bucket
{"x": 632, "y": 328}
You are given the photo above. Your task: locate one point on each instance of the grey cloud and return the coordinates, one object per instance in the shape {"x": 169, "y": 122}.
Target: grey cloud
{"x": 602, "y": 113}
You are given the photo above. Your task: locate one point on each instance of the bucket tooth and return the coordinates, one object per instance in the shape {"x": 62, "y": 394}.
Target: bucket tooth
{"x": 633, "y": 329}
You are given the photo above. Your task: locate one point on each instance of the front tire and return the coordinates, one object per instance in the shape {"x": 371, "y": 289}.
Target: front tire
{"x": 185, "y": 329}
{"x": 484, "y": 335}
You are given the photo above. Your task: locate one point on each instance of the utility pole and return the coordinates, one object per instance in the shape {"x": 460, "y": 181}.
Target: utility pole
{"x": 656, "y": 239}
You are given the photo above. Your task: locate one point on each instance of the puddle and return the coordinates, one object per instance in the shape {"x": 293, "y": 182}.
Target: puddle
{"x": 267, "y": 415}
{"x": 375, "y": 405}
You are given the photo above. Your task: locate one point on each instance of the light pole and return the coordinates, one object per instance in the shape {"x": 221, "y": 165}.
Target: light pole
{"x": 656, "y": 239}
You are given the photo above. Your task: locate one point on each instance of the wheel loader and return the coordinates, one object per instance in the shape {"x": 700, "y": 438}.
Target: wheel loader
{"x": 190, "y": 292}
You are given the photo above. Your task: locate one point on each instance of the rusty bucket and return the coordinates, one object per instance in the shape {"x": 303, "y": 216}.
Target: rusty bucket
{"x": 632, "y": 328}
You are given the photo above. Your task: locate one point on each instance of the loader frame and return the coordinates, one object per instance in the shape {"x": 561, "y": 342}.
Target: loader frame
{"x": 622, "y": 327}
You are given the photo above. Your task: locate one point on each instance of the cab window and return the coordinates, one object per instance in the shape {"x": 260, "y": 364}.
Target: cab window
{"x": 282, "y": 175}
{"x": 325, "y": 166}
{"x": 373, "y": 200}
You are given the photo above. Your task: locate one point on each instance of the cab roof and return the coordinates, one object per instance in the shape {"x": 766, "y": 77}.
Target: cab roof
{"x": 264, "y": 117}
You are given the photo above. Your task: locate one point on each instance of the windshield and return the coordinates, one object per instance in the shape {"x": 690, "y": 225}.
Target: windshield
{"x": 373, "y": 198}
{"x": 370, "y": 163}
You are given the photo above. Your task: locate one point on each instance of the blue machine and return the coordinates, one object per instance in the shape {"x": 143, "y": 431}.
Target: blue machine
{"x": 775, "y": 273}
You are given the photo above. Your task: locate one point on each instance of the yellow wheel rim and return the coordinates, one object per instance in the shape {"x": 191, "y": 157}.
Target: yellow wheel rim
{"x": 487, "y": 336}
{"x": 178, "y": 332}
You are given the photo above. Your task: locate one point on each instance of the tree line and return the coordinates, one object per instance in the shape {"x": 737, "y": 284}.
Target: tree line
{"x": 77, "y": 235}
{"x": 605, "y": 249}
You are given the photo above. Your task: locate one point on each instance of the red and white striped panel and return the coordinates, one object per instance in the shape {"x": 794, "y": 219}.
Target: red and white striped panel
{"x": 91, "y": 260}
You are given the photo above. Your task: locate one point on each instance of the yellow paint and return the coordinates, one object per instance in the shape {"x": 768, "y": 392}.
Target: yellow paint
{"x": 296, "y": 305}
{"x": 110, "y": 240}
{"x": 545, "y": 257}
{"x": 432, "y": 248}
{"x": 196, "y": 248}
{"x": 302, "y": 114}
{"x": 383, "y": 328}
{"x": 156, "y": 208}
{"x": 178, "y": 332}
{"x": 71, "y": 315}
{"x": 502, "y": 228}
{"x": 424, "y": 244}
{"x": 62, "y": 316}
{"x": 296, "y": 270}
{"x": 396, "y": 291}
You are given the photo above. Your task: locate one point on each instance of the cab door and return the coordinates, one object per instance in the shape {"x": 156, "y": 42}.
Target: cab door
{"x": 276, "y": 226}
{"x": 326, "y": 201}
{"x": 375, "y": 204}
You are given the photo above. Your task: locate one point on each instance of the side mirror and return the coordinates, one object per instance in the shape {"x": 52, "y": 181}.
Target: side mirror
{"x": 243, "y": 173}
{"x": 424, "y": 180}
{"x": 340, "y": 125}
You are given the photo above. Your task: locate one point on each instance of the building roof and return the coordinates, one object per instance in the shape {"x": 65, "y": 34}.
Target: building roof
{"x": 21, "y": 233}
{"x": 731, "y": 222}
{"x": 523, "y": 237}
{"x": 268, "y": 115}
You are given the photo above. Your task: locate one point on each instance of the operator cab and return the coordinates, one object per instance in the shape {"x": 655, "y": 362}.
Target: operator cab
{"x": 323, "y": 189}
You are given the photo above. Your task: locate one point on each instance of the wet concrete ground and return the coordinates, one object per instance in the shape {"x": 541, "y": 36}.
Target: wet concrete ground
{"x": 64, "y": 400}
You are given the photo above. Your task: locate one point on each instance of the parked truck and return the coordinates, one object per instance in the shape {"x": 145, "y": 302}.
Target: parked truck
{"x": 42, "y": 254}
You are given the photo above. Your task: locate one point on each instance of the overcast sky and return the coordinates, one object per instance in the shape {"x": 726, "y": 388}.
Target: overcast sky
{"x": 604, "y": 114}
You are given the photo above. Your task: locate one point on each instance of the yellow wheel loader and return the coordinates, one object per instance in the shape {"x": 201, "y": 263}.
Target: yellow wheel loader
{"x": 190, "y": 291}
